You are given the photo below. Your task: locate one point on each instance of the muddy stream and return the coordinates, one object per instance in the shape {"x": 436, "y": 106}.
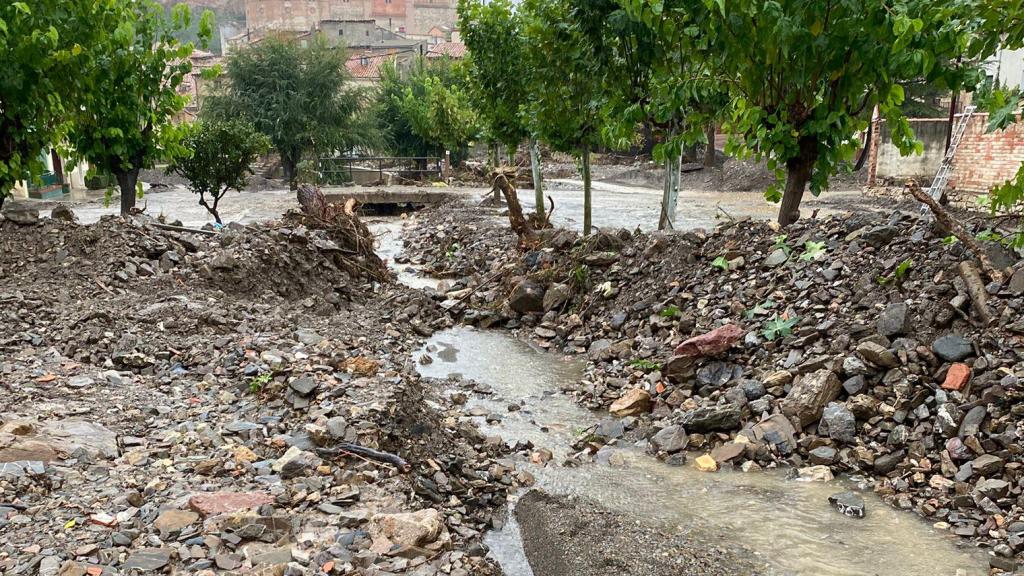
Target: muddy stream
{"x": 786, "y": 523}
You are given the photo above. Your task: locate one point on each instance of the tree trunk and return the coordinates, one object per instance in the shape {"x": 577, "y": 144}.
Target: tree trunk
{"x": 3, "y": 196}
{"x": 520, "y": 225}
{"x": 709, "y": 152}
{"x": 127, "y": 182}
{"x": 291, "y": 169}
{"x": 798, "y": 174}
{"x": 866, "y": 151}
{"x": 670, "y": 197}
{"x": 586, "y": 190}
{"x": 538, "y": 183}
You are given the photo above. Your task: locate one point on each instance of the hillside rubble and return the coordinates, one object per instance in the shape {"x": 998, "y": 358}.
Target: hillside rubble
{"x": 849, "y": 346}
{"x": 241, "y": 402}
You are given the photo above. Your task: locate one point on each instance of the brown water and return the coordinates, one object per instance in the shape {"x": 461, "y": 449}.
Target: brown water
{"x": 787, "y": 523}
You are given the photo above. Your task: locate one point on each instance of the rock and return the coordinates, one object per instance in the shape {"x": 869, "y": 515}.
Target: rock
{"x": 838, "y": 423}
{"x": 712, "y": 418}
{"x": 712, "y": 343}
{"x": 64, "y": 213}
{"x": 824, "y": 455}
{"x": 776, "y": 431}
{"x": 888, "y": 462}
{"x": 776, "y": 258}
{"x": 308, "y": 337}
{"x": 1016, "y": 286}
{"x": 877, "y": 354}
{"x": 993, "y": 488}
{"x": 808, "y": 397}
{"x": 633, "y": 403}
{"x": 894, "y": 320}
{"x": 879, "y": 235}
{"x": 815, "y": 474}
{"x": 304, "y": 386}
{"x": 147, "y": 559}
{"x": 717, "y": 374}
{"x": 172, "y": 521}
{"x": 213, "y": 503}
{"x": 854, "y": 385}
{"x": 848, "y": 504}
{"x": 987, "y": 464}
{"x": 423, "y": 529}
{"x": 527, "y": 297}
{"x": 957, "y": 377}
{"x": 728, "y": 452}
{"x": 971, "y": 424}
{"x": 21, "y": 214}
{"x": 752, "y": 389}
{"x": 952, "y": 348}
{"x": 680, "y": 370}
{"x": 555, "y": 296}
{"x": 947, "y": 418}
{"x": 296, "y": 462}
{"x": 670, "y": 439}
{"x": 706, "y": 463}
{"x": 610, "y": 428}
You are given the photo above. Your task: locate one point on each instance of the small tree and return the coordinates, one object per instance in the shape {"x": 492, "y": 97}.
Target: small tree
{"x": 127, "y": 125}
{"x": 566, "y": 96}
{"x": 439, "y": 111}
{"x": 299, "y": 96}
{"x": 219, "y": 158}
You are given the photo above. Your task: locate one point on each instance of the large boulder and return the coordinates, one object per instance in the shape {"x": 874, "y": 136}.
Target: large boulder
{"x": 21, "y": 214}
{"x": 670, "y": 439}
{"x": 809, "y": 396}
{"x": 527, "y": 297}
{"x": 776, "y": 431}
{"x": 838, "y": 423}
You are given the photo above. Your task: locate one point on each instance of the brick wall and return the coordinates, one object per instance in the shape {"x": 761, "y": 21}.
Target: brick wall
{"x": 415, "y": 16}
{"x": 983, "y": 159}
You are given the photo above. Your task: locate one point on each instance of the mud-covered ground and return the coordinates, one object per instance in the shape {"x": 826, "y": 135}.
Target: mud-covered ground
{"x": 245, "y": 401}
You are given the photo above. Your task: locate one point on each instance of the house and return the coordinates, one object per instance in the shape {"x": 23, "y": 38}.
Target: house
{"x": 453, "y": 50}
{"x": 55, "y": 181}
{"x": 413, "y": 18}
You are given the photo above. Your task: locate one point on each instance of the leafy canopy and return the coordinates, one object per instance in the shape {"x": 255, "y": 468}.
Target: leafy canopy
{"x": 500, "y": 87}
{"x": 126, "y": 124}
{"x": 44, "y": 47}
{"x": 299, "y": 96}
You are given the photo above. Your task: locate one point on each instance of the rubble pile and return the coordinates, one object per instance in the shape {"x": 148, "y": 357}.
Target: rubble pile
{"x": 237, "y": 402}
{"x": 848, "y": 345}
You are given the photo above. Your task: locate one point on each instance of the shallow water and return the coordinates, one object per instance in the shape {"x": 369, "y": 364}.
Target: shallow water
{"x": 388, "y": 235}
{"x": 788, "y": 523}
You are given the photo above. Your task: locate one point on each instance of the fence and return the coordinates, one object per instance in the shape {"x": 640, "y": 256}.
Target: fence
{"x": 366, "y": 169}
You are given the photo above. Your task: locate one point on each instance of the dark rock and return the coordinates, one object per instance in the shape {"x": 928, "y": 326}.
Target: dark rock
{"x": 776, "y": 431}
{"x": 838, "y": 423}
{"x": 879, "y": 235}
{"x": 753, "y": 389}
{"x": 848, "y": 504}
{"x": 952, "y": 348}
{"x": 527, "y": 297}
{"x": 823, "y": 455}
{"x": 947, "y": 419}
{"x": 670, "y": 439}
{"x": 147, "y": 559}
{"x": 21, "y": 214}
{"x": 680, "y": 370}
{"x": 63, "y": 212}
{"x": 304, "y": 386}
{"x": 971, "y": 424}
{"x": 705, "y": 419}
{"x": 888, "y": 462}
{"x": 987, "y": 464}
{"x": 894, "y": 320}
{"x": 854, "y": 385}
{"x": 717, "y": 374}
{"x": 556, "y": 295}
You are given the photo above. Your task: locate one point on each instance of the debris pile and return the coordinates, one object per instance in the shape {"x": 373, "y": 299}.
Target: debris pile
{"x": 857, "y": 345}
{"x": 231, "y": 402}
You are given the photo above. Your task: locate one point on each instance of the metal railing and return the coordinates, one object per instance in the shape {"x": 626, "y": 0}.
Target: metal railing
{"x": 343, "y": 169}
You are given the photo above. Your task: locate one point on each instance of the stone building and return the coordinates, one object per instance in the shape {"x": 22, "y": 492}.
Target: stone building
{"x": 409, "y": 17}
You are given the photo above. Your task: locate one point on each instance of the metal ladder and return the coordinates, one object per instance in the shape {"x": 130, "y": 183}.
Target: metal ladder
{"x": 946, "y": 169}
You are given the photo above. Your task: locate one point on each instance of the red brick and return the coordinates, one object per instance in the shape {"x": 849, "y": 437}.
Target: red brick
{"x": 957, "y": 377}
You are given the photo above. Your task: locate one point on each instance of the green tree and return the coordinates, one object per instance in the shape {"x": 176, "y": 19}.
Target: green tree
{"x": 300, "y": 96}
{"x": 44, "y": 46}
{"x": 802, "y": 74}
{"x": 127, "y": 124}
{"x": 219, "y": 156}
{"x": 493, "y": 32}
{"x": 427, "y": 109}
{"x": 566, "y": 93}
{"x": 657, "y": 71}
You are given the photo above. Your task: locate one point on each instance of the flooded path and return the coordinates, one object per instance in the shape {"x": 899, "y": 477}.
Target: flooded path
{"x": 786, "y": 523}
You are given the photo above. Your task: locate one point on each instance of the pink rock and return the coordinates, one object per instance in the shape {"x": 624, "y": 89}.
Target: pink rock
{"x": 211, "y": 503}
{"x": 715, "y": 342}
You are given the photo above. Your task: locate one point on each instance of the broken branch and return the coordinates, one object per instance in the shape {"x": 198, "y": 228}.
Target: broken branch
{"x": 367, "y": 453}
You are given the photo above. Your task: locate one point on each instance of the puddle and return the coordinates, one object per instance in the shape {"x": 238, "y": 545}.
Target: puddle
{"x": 785, "y": 522}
